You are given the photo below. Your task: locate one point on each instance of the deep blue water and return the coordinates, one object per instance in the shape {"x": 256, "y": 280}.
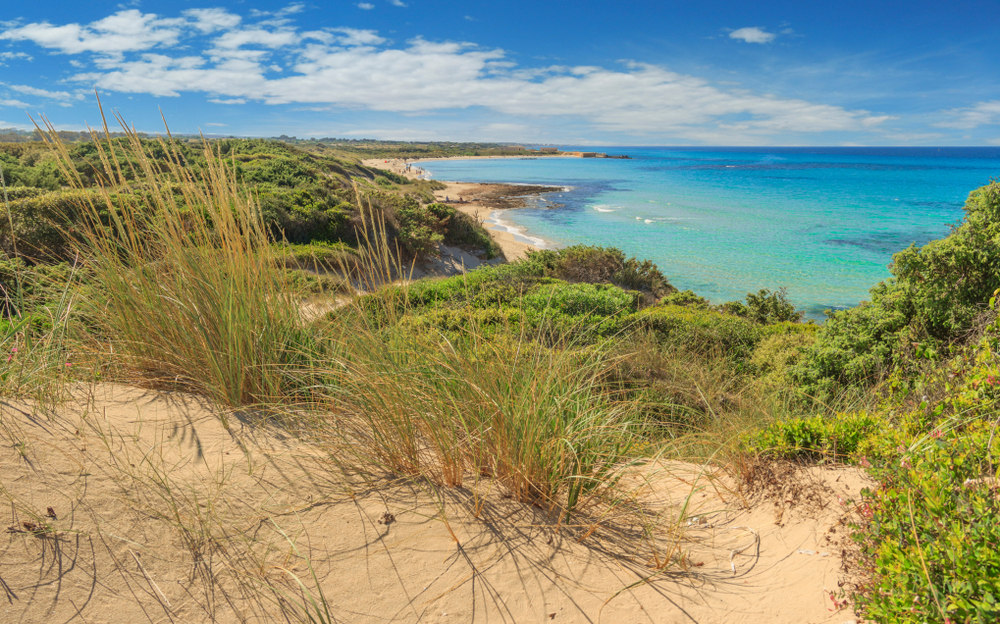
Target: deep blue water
{"x": 822, "y": 222}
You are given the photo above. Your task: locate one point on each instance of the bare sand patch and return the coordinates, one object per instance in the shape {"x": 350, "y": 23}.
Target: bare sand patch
{"x": 164, "y": 515}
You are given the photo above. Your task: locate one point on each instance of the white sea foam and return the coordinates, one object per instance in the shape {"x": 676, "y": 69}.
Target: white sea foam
{"x": 603, "y": 208}
{"x": 649, "y": 220}
{"x": 517, "y": 232}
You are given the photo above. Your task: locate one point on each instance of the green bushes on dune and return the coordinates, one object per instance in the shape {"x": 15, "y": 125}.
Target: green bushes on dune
{"x": 936, "y": 293}
{"x": 303, "y": 197}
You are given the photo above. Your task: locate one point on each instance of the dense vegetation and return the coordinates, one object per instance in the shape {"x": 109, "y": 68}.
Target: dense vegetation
{"x": 304, "y": 198}
{"x": 551, "y": 375}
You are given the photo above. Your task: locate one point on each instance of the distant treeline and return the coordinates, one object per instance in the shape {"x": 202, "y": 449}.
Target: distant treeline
{"x": 14, "y": 135}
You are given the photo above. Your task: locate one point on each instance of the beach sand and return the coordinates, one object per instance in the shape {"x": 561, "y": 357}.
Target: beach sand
{"x": 163, "y": 515}
{"x": 479, "y": 200}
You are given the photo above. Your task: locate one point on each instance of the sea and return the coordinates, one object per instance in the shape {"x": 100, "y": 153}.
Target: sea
{"x": 821, "y": 222}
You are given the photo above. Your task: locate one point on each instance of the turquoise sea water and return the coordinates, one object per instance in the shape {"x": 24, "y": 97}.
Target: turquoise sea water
{"x": 822, "y": 222}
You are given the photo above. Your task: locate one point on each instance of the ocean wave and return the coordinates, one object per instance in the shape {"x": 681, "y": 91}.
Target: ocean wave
{"x": 649, "y": 220}
{"x": 603, "y": 208}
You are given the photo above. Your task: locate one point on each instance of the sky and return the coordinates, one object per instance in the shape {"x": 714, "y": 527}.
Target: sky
{"x": 588, "y": 72}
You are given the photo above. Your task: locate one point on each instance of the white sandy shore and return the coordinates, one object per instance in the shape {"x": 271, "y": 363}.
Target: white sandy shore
{"x": 509, "y": 243}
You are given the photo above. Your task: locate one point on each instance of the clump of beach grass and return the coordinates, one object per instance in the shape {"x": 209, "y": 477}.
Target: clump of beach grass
{"x": 186, "y": 287}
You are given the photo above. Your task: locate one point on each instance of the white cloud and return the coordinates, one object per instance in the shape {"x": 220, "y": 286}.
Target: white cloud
{"x": 398, "y": 3}
{"x": 351, "y": 68}
{"x": 982, "y": 114}
{"x": 55, "y": 95}
{"x": 14, "y": 103}
{"x": 366, "y": 6}
{"x": 217, "y": 125}
{"x": 355, "y": 37}
{"x": 211, "y": 20}
{"x": 122, "y": 32}
{"x": 752, "y": 34}
{"x": 911, "y": 137}
{"x": 256, "y": 36}
{"x": 993, "y": 141}
{"x": 10, "y": 56}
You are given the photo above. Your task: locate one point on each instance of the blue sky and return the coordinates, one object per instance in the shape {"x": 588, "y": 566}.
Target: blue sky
{"x": 587, "y": 72}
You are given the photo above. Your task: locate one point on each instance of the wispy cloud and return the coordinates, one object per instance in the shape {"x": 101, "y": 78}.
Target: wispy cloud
{"x": 752, "y": 34}
{"x": 11, "y": 56}
{"x": 14, "y": 103}
{"x": 398, "y": 3}
{"x": 55, "y": 95}
{"x": 366, "y": 6}
{"x": 982, "y": 114}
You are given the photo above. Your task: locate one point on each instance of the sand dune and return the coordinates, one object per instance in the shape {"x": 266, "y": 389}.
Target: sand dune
{"x": 164, "y": 515}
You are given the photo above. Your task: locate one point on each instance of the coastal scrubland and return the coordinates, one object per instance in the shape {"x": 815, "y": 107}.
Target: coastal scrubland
{"x": 565, "y": 394}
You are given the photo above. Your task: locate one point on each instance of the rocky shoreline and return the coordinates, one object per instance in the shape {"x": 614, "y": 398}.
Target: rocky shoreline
{"x": 496, "y": 196}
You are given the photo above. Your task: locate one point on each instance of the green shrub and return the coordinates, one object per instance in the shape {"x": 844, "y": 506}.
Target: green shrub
{"x": 765, "y": 307}
{"x": 463, "y": 231}
{"x": 685, "y": 298}
{"x": 581, "y": 300}
{"x": 44, "y": 224}
{"x": 815, "y": 438}
{"x": 304, "y": 215}
{"x": 856, "y": 347}
{"x": 930, "y": 533}
{"x": 595, "y": 265}
{"x": 703, "y": 331}
{"x": 23, "y": 192}
{"x": 777, "y": 353}
{"x": 319, "y": 255}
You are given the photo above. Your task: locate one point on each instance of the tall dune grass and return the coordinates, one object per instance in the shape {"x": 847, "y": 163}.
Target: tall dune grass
{"x": 188, "y": 290}
{"x": 538, "y": 420}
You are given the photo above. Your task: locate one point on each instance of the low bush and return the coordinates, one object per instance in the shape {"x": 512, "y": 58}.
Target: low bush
{"x": 43, "y": 225}
{"x": 765, "y": 307}
{"x": 319, "y": 256}
{"x": 596, "y": 265}
{"x": 816, "y": 438}
{"x": 463, "y": 231}
{"x": 703, "y": 331}
{"x": 929, "y": 536}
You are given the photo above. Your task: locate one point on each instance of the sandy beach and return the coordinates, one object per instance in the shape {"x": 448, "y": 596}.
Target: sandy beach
{"x": 479, "y": 201}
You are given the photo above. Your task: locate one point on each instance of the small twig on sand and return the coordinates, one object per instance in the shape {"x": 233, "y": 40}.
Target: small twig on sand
{"x": 150, "y": 580}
